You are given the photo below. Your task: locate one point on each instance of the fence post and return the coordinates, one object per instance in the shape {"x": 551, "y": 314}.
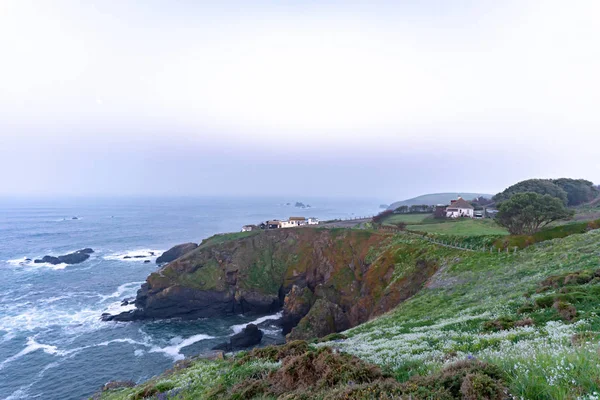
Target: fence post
{"x": 515, "y": 251}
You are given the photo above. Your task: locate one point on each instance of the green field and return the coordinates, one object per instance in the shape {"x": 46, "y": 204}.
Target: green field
{"x": 408, "y": 219}
{"x": 461, "y": 227}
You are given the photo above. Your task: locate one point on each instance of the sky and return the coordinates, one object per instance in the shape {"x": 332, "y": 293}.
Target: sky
{"x": 382, "y": 99}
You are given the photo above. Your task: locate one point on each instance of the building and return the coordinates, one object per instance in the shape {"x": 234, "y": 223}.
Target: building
{"x": 287, "y": 224}
{"x": 312, "y": 221}
{"x": 298, "y": 221}
{"x": 249, "y": 228}
{"x": 459, "y": 208}
{"x": 274, "y": 224}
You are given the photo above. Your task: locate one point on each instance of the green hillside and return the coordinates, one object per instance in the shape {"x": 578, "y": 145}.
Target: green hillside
{"x": 485, "y": 326}
{"x": 436, "y": 198}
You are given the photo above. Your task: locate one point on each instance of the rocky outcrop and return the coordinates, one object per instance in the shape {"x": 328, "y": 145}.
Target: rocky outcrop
{"x": 71, "y": 258}
{"x": 175, "y": 252}
{"x": 248, "y": 337}
{"x": 324, "y": 280}
{"x": 323, "y": 318}
{"x": 296, "y": 305}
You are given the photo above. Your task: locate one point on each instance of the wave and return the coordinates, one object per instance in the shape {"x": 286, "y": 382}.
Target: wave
{"x": 32, "y": 346}
{"x": 124, "y": 290}
{"x": 177, "y": 344}
{"x": 238, "y": 328}
{"x": 134, "y": 255}
{"x": 26, "y": 262}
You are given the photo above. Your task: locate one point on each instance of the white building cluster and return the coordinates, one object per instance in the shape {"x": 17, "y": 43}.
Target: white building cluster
{"x": 292, "y": 222}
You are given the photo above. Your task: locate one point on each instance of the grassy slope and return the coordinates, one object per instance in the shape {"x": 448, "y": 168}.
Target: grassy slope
{"x": 446, "y": 321}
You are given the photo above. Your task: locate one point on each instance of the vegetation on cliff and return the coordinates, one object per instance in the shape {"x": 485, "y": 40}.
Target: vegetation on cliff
{"x": 525, "y": 324}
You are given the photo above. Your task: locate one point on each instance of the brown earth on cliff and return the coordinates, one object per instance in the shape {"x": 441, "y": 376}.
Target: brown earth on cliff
{"x": 350, "y": 275}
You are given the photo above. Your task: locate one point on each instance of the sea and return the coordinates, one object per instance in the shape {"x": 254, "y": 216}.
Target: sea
{"x": 53, "y": 344}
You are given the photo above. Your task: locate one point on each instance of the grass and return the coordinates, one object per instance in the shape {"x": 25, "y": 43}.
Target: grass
{"x": 227, "y": 237}
{"x": 446, "y": 321}
{"x": 407, "y": 219}
{"x": 462, "y": 227}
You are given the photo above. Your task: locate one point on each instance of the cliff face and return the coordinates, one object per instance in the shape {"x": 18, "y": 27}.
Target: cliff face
{"x": 342, "y": 276}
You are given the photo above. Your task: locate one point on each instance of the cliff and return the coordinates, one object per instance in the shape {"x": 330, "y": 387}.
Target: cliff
{"x": 340, "y": 277}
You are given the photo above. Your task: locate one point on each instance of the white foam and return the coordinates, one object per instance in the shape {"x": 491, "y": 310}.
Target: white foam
{"x": 240, "y": 327}
{"x": 177, "y": 344}
{"x": 125, "y": 290}
{"x": 139, "y": 353}
{"x": 145, "y": 253}
{"x": 22, "y": 262}
{"x": 32, "y": 346}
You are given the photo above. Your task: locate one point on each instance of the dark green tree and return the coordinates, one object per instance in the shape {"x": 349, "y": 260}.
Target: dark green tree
{"x": 527, "y": 213}
{"x": 579, "y": 191}
{"x": 539, "y": 186}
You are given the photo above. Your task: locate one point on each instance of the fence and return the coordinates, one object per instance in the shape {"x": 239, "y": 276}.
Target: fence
{"x": 453, "y": 245}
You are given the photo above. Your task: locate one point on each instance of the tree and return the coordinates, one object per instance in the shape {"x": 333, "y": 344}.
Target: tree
{"x": 578, "y": 191}
{"x": 539, "y": 186}
{"x": 402, "y": 209}
{"x": 527, "y": 213}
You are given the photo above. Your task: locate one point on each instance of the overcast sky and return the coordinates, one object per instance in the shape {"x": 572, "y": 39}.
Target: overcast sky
{"x": 385, "y": 99}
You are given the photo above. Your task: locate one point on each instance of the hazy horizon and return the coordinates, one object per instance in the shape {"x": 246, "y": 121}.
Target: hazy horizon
{"x": 338, "y": 99}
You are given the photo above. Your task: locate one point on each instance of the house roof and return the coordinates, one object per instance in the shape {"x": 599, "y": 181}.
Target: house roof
{"x": 297, "y": 218}
{"x": 274, "y": 222}
{"x": 461, "y": 203}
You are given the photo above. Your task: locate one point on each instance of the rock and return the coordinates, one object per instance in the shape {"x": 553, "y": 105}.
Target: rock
{"x": 129, "y": 300}
{"x": 72, "y": 258}
{"x": 175, "y": 252}
{"x": 27, "y": 259}
{"x": 48, "y": 259}
{"x": 126, "y": 257}
{"x": 323, "y": 318}
{"x": 152, "y": 253}
{"x": 139, "y": 256}
{"x": 117, "y": 385}
{"x": 249, "y": 336}
{"x": 74, "y": 218}
{"x": 296, "y": 305}
{"x": 146, "y": 261}
{"x": 351, "y": 271}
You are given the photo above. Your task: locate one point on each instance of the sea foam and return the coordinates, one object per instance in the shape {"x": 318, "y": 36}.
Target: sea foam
{"x": 177, "y": 343}
{"x": 238, "y": 328}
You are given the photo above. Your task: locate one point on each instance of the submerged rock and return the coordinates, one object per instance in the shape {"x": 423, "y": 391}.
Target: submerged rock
{"x": 71, "y": 258}
{"x": 249, "y": 336}
{"x": 175, "y": 252}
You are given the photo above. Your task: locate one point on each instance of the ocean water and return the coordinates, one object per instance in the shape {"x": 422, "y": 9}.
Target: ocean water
{"x": 52, "y": 342}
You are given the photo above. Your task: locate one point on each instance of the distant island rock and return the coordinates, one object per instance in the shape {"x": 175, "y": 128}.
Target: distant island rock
{"x": 175, "y": 252}
{"x": 72, "y": 258}
{"x": 384, "y": 206}
{"x": 299, "y": 204}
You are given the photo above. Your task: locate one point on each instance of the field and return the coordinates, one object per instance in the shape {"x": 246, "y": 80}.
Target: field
{"x": 408, "y": 219}
{"x": 461, "y": 227}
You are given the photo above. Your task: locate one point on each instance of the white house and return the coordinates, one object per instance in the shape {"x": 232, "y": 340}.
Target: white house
{"x": 298, "y": 221}
{"x": 312, "y": 221}
{"x": 287, "y": 224}
{"x": 459, "y": 208}
{"x": 248, "y": 228}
